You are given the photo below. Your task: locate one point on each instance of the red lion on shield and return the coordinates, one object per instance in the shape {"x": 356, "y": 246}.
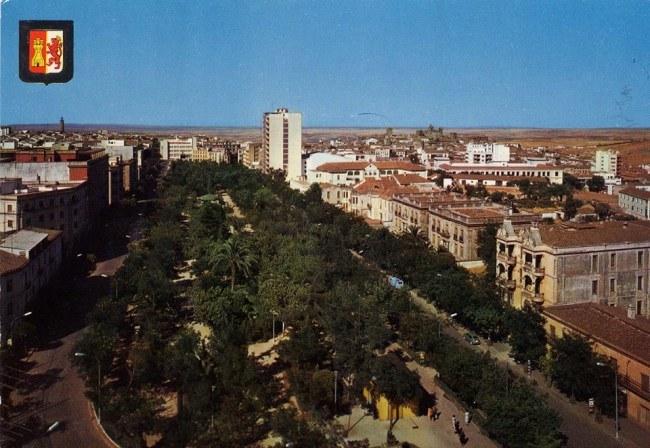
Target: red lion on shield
{"x": 54, "y": 50}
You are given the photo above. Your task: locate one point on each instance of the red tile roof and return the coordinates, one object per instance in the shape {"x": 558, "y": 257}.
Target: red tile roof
{"x": 385, "y": 187}
{"x": 407, "y": 179}
{"x": 609, "y": 326}
{"x": 636, "y": 193}
{"x": 595, "y": 234}
{"x": 337, "y": 167}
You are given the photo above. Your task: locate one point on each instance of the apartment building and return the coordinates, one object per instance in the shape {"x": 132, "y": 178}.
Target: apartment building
{"x": 353, "y": 172}
{"x": 206, "y": 154}
{"x": 62, "y": 206}
{"x": 28, "y": 261}
{"x": 604, "y": 262}
{"x": 486, "y": 153}
{"x": 618, "y": 335}
{"x": 606, "y": 162}
{"x": 282, "y": 142}
{"x": 177, "y": 148}
{"x": 553, "y": 173}
{"x": 413, "y": 209}
{"x": 337, "y": 195}
{"x": 373, "y": 199}
{"x": 457, "y": 228}
{"x": 50, "y": 167}
{"x": 253, "y": 155}
{"x": 635, "y": 201}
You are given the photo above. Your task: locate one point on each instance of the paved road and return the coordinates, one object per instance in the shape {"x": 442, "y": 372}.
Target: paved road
{"x": 581, "y": 428}
{"x": 56, "y": 391}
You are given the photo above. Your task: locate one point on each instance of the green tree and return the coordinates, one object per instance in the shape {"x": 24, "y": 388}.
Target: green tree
{"x": 236, "y": 255}
{"x": 580, "y": 373}
{"x": 396, "y": 382}
{"x": 487, "y": 248}
{"x": 596, "y": 183}
{"x": 571, "y": 207}
{"x": 527, "y": 335}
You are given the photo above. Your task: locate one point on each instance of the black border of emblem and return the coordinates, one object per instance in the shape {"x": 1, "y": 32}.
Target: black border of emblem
{"x": 68, "y": 50}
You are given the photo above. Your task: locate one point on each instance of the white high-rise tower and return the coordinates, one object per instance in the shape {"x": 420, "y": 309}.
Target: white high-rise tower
{"x": 282, "y": 142}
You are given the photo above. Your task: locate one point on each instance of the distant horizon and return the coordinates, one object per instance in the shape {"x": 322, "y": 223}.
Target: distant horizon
{"x": 395, "y": 127}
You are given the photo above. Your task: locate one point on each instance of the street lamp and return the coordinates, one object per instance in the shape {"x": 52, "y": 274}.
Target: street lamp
{"x": 99, "y": 385}
{"x": 274, "y": 313}
{"x": 602, "y": 364}
{"x": 13, "y": 322}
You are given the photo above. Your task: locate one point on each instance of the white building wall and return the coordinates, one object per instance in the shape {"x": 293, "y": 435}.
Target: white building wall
{"x": 283, "y": 142}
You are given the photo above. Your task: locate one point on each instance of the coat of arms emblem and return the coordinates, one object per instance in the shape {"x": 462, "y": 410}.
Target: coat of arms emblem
{"x": 46, "y": 51}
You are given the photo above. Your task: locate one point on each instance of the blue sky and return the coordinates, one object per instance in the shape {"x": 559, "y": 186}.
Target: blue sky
{"x": 452, "y": 64}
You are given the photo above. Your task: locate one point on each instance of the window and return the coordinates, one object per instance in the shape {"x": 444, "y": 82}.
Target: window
{"x": 645, "y": 383}
{"x": 639, "y": 307}
{"x": 639, "y": 259}
{"x": 612, "y": 261}
{"x": 594, "y": 263}
{"x": 10, "y": 207}
{"x": 594, "y": 287}
{"x": 639, "y": 283}
{"x": 612, "y": 285}
{"x": 10, "y": 223}
{"x": 553, "y": 331}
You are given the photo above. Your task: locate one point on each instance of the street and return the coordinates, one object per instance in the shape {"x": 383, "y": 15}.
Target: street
{"x": 50, "y": 388}
{"x": 581, "y": 428}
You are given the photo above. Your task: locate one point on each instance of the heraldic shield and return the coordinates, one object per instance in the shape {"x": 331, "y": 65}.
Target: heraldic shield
{"x": 46, "y": 52}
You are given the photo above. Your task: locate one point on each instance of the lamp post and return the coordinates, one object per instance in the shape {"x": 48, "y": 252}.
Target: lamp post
{"x": 99, "y": 385}
{"x": 336, "y": 379}
{"x": 274, "y": 313}
{"x": 602, "y": 364}
{"x": 13, "y": 322}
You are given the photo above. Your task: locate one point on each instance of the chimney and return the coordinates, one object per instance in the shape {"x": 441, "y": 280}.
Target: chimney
{"x": 631, "y": 312}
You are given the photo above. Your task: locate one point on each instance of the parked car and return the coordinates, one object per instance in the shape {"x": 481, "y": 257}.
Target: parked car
{"x": 472, "y": 338}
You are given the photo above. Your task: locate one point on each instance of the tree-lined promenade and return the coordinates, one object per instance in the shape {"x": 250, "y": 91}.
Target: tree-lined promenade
{"x": 295, "y": 267}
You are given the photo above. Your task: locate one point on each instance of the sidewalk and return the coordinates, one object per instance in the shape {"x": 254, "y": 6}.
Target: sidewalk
{"x": 577, "y": 423}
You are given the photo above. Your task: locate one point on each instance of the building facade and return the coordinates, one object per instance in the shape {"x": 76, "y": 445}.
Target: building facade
{"x": 177, "y": 149}
{"x": 605, "y": 262}
{"x": 458, "y": 228}
{"x": 63, "y": 207}
{"x": 28, "y": 261}
{"x": 282, "y": 142}
{"x": 606, "y": 163}
{"x": 635, "y": 202}
{"x": 620, "y": 336}
{"x": 486, "y": 153}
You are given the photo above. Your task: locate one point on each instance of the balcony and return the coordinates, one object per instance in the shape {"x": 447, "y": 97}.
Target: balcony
{"x": 536, "y": 297}
{"x": 444, "y": 234}
{"x": 511, "y": 284}
{"x": 534, "y": 270}
{"x": 505, "y": 258}
{"x": 633, "y": 386}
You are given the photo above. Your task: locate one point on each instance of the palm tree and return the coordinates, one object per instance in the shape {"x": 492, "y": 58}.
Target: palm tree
{"x": 415, "y": 234}
{"x": 236, "y": 255}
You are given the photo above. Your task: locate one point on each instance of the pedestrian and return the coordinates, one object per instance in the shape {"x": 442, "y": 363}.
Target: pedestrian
{"x": 454, "y": 423}
{"x": 467, "y": 417}
{"x": 434, "y": 411}
{"x": 430, "y": 413}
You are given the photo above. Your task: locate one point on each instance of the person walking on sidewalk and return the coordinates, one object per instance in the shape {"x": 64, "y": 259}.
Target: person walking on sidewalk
{"x": 454, "y": 423}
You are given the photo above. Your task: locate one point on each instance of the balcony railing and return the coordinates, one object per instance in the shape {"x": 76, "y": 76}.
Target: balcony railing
{"x": 536, "y": 297}
{"x": 535, "y": 270}
{"x": 633, "y": 386}
{"x": 505, "y": 258}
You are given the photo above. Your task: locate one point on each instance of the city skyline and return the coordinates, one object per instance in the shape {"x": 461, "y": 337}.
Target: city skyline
{"x": 356, "y": 65}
